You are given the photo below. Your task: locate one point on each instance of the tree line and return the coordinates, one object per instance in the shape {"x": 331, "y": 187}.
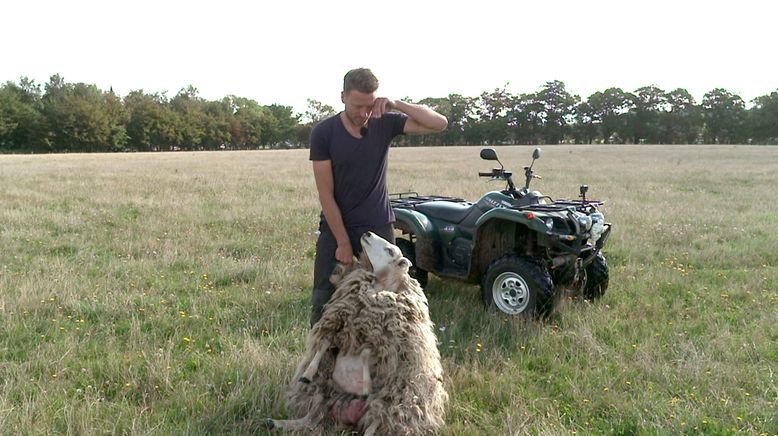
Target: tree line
{"x": 79, "y": 117}
{"x": 649, "y": 115}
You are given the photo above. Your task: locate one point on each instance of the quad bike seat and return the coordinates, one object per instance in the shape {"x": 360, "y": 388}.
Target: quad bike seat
{"x": 453, "y": 212}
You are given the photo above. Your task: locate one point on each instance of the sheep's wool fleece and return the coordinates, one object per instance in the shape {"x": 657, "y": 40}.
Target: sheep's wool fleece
{"x": 407, "y": 395}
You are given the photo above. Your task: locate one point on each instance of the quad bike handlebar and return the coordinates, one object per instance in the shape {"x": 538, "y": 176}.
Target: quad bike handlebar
{"x": 497, "y": 173}
{"x": 502, "y": 174}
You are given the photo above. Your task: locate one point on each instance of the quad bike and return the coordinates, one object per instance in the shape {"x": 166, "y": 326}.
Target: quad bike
{"x": 522, "y": 247}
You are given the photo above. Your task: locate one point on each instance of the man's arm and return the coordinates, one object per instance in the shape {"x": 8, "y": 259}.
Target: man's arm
{"x": 421, "y": 119}
{"x": 325, "y": 184}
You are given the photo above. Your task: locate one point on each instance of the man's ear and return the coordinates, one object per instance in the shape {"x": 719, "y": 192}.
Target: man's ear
{"x": 343, "y": 97}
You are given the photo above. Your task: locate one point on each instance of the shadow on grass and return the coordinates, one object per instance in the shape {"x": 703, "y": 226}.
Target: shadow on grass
{"x": 467, "y": 329}
{"x": 244, "y": 412}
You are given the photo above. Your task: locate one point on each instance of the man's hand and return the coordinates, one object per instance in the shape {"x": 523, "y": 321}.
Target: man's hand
{"x": 344, "y": 254}
{"x": 381, "y": 106}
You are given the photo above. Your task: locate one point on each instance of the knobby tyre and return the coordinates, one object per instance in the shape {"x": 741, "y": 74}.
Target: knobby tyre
{"x": 518, "y": 286}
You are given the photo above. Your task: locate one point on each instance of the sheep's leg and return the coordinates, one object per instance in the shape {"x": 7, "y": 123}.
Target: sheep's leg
{"x": 370, "y": 431}
{"x": 367, "y": 382}
{"x": 310, "y": 371}
{"x": 305, "y": 423}
{"x": 308, "y": 422}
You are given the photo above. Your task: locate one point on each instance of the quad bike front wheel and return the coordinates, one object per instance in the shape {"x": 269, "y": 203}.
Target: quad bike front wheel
{"x": 518, "y": 286}
{"x": 596, "y": 278}
{"x": 408, "y": 250}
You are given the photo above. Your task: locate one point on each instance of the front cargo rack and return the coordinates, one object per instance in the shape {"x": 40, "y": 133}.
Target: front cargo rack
{"x": 560, "y": 205}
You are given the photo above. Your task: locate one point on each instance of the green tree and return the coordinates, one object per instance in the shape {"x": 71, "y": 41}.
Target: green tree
{"x": 152, "y": 124}
{"x": 584, "y": 129}
{"x": 461, "y": 116}
{"x": 724, "y": 115}
{"x": 527, "y": 119}
{"x": 763, "y": 119}
{"x": 22, "y": 126}
{"x": 682, "y": 123}
{"x": 117, "y": 118}
{"x": 650, "y": 104}
{"x": 558, "y": 110}
{"x": 492, "y": 110}
{"x": 191, "y": 117}
{"x": 314, "y": 114}
{"x": 280, "y": 126}
{"x": 246, "y": 126}
{"x": 610, "y": 112}
{"x": 216, "y": 128}
{"x": 82, "y": 118}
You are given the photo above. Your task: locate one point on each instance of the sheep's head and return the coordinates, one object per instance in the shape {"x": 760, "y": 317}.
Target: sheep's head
{"x": 382, "y": 254}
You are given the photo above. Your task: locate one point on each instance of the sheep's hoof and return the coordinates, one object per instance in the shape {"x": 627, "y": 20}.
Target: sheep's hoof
{"x": 305, "y": 380}
{"x": 270, "y": 424}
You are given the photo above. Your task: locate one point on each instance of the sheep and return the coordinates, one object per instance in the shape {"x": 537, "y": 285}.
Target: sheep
{"x": 372, "y": 362}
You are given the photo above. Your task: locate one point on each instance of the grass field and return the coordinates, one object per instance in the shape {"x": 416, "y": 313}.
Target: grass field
{"x": 169, "y": 294}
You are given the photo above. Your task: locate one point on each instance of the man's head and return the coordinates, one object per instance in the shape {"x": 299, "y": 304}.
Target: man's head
{"x": 359, "y": 88}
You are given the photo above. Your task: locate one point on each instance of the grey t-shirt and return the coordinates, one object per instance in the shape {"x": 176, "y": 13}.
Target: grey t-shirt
{"x": 359, "y": 166}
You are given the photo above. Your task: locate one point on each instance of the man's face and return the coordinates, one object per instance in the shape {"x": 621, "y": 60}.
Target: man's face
{"x": 359, "y": 106}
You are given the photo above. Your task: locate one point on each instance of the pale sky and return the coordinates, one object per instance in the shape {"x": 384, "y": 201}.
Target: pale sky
{"x": 285, "y": 52}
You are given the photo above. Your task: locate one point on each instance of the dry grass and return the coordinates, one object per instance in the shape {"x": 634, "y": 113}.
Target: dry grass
{"x": 168, "y": 293}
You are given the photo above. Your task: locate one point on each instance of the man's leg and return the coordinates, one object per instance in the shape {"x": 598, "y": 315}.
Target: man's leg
{"x": 323, "y": 266}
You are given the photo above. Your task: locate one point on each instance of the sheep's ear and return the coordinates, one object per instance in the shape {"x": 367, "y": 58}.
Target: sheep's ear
{"x": 404, "y": 262}
{"x": 337, "y": 273}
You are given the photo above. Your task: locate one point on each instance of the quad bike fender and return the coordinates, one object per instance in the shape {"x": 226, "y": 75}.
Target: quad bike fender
{"x": 489, "y": 245}
{"x": 527, "y": 219}
{"x": 413, "y": 222}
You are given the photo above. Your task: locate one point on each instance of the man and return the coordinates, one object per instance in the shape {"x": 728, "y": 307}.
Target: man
{"x": 349, "y": 153}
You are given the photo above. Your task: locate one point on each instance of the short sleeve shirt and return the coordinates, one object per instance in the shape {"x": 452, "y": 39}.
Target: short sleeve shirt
{"x": 359, "y": 166}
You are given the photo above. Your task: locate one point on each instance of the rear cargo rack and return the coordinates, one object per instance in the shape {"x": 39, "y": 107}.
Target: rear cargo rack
{"x": 412, "y": 199}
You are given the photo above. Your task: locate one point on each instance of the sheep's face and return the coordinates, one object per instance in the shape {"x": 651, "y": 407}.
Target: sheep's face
{"x": 382, "y": 253}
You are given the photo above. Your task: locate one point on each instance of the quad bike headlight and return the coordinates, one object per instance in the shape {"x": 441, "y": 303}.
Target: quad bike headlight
{"x": 549, "y": 223}
{"x": 585, "y": 222}
{"x": 598, "y": 221}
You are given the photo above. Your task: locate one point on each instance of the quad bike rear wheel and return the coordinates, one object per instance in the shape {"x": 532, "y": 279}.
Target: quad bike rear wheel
{"x": 408, "y": 249}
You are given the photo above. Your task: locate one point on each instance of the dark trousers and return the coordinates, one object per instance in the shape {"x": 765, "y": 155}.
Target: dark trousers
{"x": 325, "y": 262}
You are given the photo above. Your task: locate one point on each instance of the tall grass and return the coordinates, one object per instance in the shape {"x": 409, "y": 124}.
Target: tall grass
{"x": 169, "y": 294}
